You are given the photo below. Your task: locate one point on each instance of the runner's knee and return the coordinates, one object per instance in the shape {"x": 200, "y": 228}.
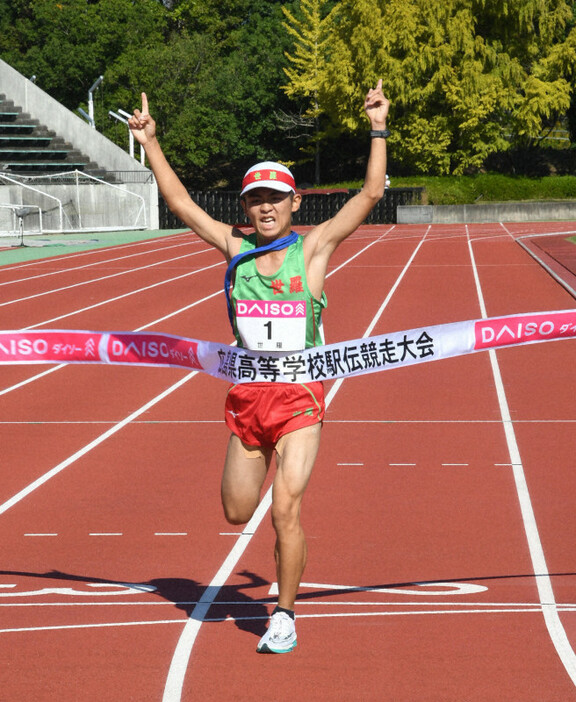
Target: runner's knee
{"x": 237, "y": 514}
{"x": 286, "y": 516}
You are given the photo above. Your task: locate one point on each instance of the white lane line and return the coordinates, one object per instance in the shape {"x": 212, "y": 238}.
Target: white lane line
{"x": 92, "y": 445}
{"x": 359, "y": 253}
{"x": 326, "y": 615}
{"x": 31, "y": 380}
{"x": 446, "y": 421}
{"x": 336, "y": 615}
{"x": 183, "y": 651}
{"x": 37, "y": 262}
{"x": 113, "y": 533}
{"x": 94, "y": 264}
{"x": 94, "y": 422}
{"x": 63, "y": 365}
{"x": 516, "y": 606}
{"x": 179, "y": 310}
{"x": 125, "y": 295}
{"x": 51, "y": 534}
{"x": 487, "y": 609}
{"x": 66, "y": 422}
{"x": 101, "y": 278}
{"x": 338, "y": 384}
{"x": 117, "y": 427}
{"x": 543, "y": 581}
{"x": 140, "y": 603}
{"x": 67, "y": 627}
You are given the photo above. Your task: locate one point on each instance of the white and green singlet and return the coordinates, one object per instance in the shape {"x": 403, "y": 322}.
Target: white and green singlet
{"x": 277, "y": 312}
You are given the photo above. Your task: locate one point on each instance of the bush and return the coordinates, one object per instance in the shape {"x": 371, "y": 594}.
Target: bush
{"x": 467, "y": 190}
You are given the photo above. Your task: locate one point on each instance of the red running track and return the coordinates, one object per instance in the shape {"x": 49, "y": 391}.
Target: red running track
{"x": 440, "y": 516}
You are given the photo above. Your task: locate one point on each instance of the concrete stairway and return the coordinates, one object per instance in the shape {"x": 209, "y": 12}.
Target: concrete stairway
{"x": 29, "y": 148}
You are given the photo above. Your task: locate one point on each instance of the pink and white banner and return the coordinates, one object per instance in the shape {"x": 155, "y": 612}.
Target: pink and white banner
{"x": 238, "y": 365}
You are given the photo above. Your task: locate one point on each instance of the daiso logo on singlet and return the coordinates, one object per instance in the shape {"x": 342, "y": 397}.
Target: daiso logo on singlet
{"x": 270, "y": 310}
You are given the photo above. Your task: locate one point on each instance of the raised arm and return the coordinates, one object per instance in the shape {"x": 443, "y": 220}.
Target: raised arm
{"x": 326, "y": 236}
{"x": 180, "y": 203}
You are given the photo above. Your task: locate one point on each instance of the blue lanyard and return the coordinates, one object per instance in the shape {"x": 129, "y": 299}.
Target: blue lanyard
{"x": 275, "y": 245}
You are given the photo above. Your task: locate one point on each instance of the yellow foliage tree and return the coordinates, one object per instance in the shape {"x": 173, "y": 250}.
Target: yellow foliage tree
{"x": 312, "y": 33}
{"x": 466, "y": 78}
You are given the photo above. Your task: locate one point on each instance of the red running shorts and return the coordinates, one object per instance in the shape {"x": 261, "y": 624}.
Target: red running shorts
{"x": 261, "y": 413}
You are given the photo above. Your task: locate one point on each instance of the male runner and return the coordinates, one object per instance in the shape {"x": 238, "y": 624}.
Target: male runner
{"x": 267, "y": 418}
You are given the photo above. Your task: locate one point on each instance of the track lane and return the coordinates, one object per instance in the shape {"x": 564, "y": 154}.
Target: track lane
{"x": 48, "y": 268}
{"x": 420, "y": 518}
{"x": 54, "y": 526}
{"x": 115, "y": 392}
{"x": 401, "y": 652}
{"x": 537, "y": 475}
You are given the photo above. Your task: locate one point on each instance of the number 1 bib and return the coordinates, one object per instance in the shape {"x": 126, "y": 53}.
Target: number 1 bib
{"x": 272, "y": 326}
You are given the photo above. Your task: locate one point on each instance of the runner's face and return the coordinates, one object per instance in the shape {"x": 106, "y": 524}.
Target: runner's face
{"x": 270, "y": 211}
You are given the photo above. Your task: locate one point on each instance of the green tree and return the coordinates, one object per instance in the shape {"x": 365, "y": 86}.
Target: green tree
{"x": 567, "y": 61}
{"x": 214, "y": 97}
{"x": 308, "y": 63}
{"x": 67, "y": 44}
{"x": 212, "y": 70}
{"x": 466, "y": 77}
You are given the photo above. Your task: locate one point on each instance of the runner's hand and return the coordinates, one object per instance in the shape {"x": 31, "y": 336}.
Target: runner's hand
{"x": 141, "y": 123}
{"x": 376, "y": 107}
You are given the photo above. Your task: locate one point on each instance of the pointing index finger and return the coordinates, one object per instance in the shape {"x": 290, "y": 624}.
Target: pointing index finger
{"x": 144, "y": 104}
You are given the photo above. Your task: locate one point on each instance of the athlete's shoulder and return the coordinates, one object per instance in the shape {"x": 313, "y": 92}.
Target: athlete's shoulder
{"x": 242, "y": 240}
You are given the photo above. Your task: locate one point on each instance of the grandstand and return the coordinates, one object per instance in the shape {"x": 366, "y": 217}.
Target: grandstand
{"x": 27, "y": 147}
{"x": 58, "y": 174}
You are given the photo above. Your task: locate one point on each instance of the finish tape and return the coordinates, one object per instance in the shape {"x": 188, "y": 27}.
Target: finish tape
{"x": 238, "y": 365}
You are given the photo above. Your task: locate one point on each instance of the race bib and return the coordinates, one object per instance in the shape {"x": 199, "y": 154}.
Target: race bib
{"x": 272, "y": 326}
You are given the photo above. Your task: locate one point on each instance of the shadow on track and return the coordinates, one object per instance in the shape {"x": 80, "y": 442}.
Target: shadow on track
{"x": 183, "y": 593}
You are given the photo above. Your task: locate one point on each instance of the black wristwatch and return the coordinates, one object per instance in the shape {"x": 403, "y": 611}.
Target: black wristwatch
{"x": 379, "y": 133}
